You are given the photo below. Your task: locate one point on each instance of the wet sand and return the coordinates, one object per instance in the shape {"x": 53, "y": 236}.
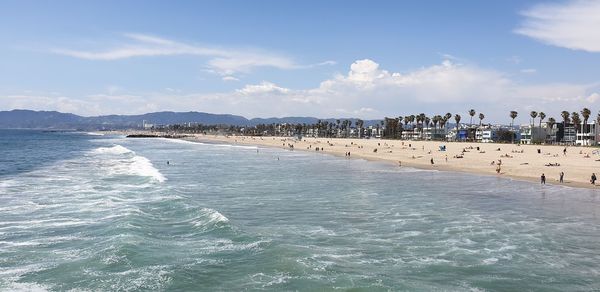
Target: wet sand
{"x": 521, "y": 162}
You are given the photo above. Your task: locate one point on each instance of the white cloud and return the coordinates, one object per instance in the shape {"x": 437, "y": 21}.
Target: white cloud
{"x": 366, "y": 91}
{"x": 573, "y": 24}
{"x": 47, "y": 102}
{"x": 514, "y": 60}
{"x": 528, "y": 71}
{"x": 230, "y": 78}
{"x": 592, "y": 97}
{"x": 262, "y": 88}
{"x": 223, "y": 61}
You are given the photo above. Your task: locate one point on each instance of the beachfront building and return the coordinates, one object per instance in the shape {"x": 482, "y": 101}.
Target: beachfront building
{"x": 451, "y": 134}
{"x": 486, "y": 134}
{"x": 532, "y": 135}
{"x": 461, "y": 135}
{"x": 411, "y": 134}
{"x": 434, "y": 133}
{"x": 146, "y": 125}
{"x": 373, "y": 132}
{"x": 586, "y": 134}
{"x": 566, "y": 134}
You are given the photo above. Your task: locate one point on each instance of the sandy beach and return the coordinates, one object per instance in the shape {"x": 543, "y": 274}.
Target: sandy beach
{"x": 521, "y": 162}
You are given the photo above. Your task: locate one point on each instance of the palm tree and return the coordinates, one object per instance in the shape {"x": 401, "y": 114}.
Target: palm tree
{"x": 513, "y": 115}
{"x": 359, "y": 125}
{"x": 585, "y": 113}
{"x": 423, "y": 118}
{"x": 471, "y": 113}
{"x": 576, "y": 120}
{"x": 435, "y": 120}
{"x": 448, "y": 116}
{"x": 551, "y": 122}
{"x": 533, "y": 115}
{"x": 427, "y": 120}
{"x": 444, "y": 121}
{"x": 481, "y": 117}
{"x": 565, "y": 117}
{"x": 457, "y": 119}
{"x": 542, "y": 116}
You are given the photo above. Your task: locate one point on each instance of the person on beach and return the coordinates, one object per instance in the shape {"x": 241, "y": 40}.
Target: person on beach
{"x": 593, "y": 179}
{"x": 565, "y": 151}
{"x": 498, "y": 169}
{"x": 399, "y": 163}
{"x": 431, "y": 160}
{"x": 543, "y": 179}
{"x": 561, "y": 177}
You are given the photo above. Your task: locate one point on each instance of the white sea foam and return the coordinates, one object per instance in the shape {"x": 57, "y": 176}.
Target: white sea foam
{"x": 181, "y": 141}
{"x": 94, "y": 134}
{"x": 128, "y": 163}
{"x": 213, "y": 217}
{"x": 490, "y": 261}
{"x": 143, "y": 167}
{"x": 234, "y": 146}
{"x": 116, "y": 150}
{"x": 31, "y": 287}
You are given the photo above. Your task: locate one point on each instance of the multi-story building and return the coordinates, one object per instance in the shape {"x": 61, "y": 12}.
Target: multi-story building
{"x": 486, "y": 134}
{"x": 533, "y": 135}
{"x": 586, "y": 134}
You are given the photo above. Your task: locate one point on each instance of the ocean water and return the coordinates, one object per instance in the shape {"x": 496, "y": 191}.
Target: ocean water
{"x": 84, "y": 212}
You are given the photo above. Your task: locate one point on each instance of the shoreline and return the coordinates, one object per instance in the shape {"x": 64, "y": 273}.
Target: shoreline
{"x": 511, "y": 168}
{"x": 523, "y": 163}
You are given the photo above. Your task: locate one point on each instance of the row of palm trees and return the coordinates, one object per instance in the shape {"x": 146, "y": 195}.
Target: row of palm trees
{"x": 574, "y": 118}
{"x": 567, "y": 118}
{"x": 393, "y": 127}
{"x": 423, "y": 121}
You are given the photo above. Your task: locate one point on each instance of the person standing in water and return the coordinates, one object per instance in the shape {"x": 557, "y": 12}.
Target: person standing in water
{"x": 543, "y": 179}
{"x": 561, "y": 177}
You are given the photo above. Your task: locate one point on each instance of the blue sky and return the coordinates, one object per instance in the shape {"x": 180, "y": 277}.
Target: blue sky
{"x": 364, "y": 59}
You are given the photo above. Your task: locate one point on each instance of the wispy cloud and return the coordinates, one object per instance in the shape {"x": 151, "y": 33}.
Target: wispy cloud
{"x": 365, "y": 91}
{"x": 230, "y": 78}
{"x": 528, "y": 71}
{"x": 223, "y": 61}
{"x": 573, "y": 24}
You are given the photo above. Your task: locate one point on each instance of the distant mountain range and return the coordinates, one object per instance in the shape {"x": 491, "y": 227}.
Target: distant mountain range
{"x": 56, "y": 120}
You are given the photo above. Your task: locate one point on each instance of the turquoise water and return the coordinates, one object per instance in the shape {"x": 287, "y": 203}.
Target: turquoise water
{"x": 82, "y": 212}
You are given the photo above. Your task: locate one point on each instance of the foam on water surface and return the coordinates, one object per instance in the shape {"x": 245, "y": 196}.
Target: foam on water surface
{"x": 120, "y": 160}
{"x": 102, "y": 219}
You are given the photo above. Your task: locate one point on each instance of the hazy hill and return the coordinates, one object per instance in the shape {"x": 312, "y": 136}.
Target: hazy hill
{"x": 56, "y": 120}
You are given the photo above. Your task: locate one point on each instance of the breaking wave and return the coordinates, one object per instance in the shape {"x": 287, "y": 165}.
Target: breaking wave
{"x": 123, "y": 161}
